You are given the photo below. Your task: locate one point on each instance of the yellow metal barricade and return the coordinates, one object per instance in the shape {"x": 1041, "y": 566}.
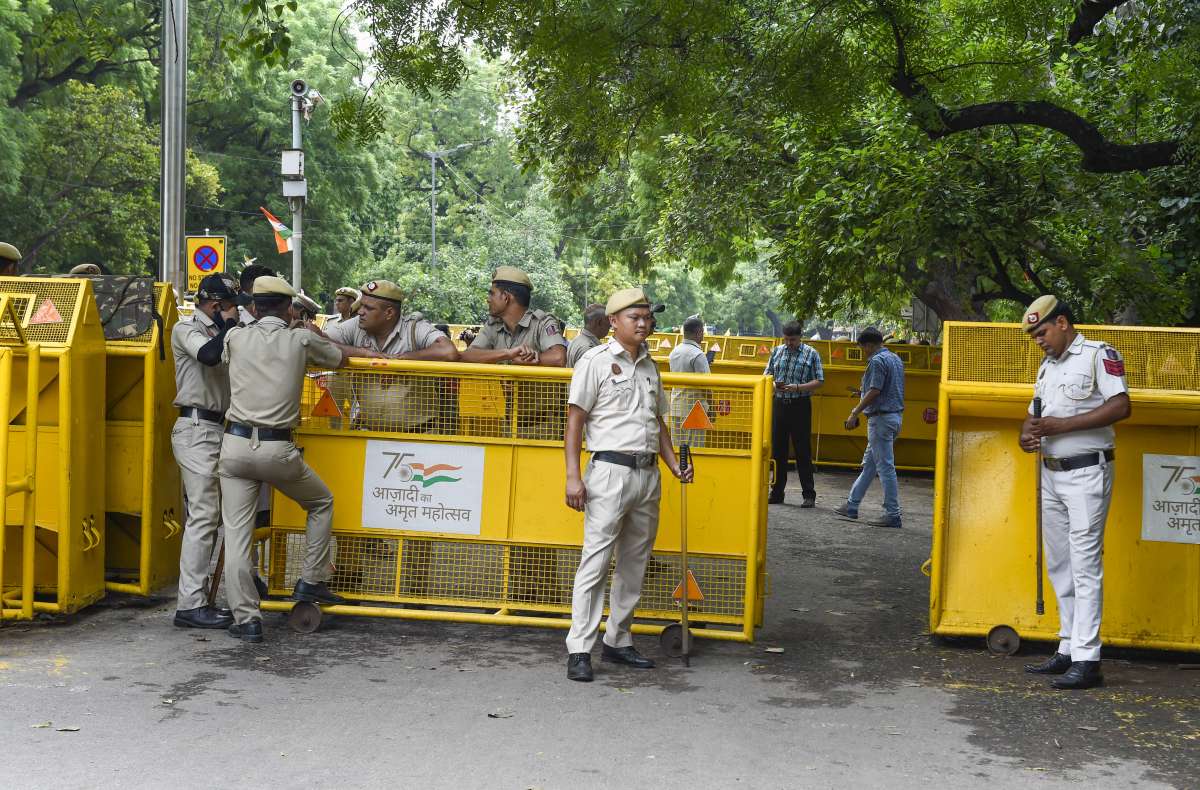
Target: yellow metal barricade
{"x": 143, "y": 507}
{"x": 448, "y": 484}
{"x": 53, "y": 387}
{"x": 982, "y": 568}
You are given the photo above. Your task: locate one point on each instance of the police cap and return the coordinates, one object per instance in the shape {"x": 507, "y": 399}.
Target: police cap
{"x": 625, "y": 298}
{"x": 85, "y": 270}
{"x": 346, "y": 290}
{"x": 214, "y": 286}
{"x": 383, "y": 289}
{"x": 273, "y": 286}
{"x": 511, "y": 274}
{"x": 1042, "y": 309}
{"x": 304, "y": 302}
{"x": 9, "y": 252}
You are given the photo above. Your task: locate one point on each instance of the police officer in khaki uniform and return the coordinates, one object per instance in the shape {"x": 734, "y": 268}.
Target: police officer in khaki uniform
{"x": 617, "y": 399}
{"x": 266, "y": 362}
{"x": 514, "y": 332}
{"x": 383, "y": 331}
{"x": 1082, "y": 386}
{"x": 344, "y": 301}
{"x": 202, "y": 396}
{"x": 10, "y": 260}
{"x": 595, "y": 329}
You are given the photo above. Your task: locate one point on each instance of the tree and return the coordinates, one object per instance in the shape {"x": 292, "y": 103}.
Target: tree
{"x": 719, "y": 108}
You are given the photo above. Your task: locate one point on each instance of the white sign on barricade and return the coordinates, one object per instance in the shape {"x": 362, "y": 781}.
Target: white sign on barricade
{"x": 1171, "y": 498}
{"x": 423, "y": 487}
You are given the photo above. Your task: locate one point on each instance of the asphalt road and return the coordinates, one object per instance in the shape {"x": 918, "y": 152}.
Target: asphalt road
{"x": 860, "y": 697}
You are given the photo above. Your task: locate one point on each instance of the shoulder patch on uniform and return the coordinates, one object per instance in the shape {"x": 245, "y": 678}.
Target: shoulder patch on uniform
{"x": 1114, "y": 367}
{"x": 1111, "y": 353}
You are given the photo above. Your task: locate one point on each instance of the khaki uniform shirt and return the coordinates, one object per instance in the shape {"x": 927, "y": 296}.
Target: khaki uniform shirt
{"x": 582, "y": 343}
{"x": 536, "y": 329}
{"x": 688, "y": 357}
{"x": 266, "y": 371}
{"x": 408, "y": 330}
{"x": 623, "y": 397}
{"x": 197, "y": 385}
{"x": 1086, "y": 375}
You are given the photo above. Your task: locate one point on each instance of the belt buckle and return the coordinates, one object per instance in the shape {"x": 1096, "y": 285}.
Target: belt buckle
{"x": 644, "y": 460}
{"x": 1053, "y": 464}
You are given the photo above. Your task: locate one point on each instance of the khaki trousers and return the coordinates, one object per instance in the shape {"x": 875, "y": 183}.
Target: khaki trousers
{"x": 197, "y": 446}
{"x": 621, "y": 515}
{"x": 245, "y": 465}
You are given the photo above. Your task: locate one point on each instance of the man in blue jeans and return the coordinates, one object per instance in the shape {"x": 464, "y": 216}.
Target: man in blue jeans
{"x": 882, "y": 400}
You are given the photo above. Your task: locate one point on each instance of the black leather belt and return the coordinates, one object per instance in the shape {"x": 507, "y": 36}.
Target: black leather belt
{"x": 1077, "y": 461}
{"x": 264, "y": 434}
{"x": 632, "y": 460}
{"x": 204, "y": 414}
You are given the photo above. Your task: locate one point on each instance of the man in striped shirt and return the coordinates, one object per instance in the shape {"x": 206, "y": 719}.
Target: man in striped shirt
{"x": 798, "y": 372}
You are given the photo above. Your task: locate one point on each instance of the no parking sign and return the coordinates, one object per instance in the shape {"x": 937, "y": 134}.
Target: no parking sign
{"x": 205, "y": 256}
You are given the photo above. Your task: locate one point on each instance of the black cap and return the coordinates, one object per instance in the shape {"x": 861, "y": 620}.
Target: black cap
{"x": 657, "y": 308}
{"x": 214, "y": 286}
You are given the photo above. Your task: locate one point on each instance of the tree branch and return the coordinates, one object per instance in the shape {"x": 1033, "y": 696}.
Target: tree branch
{"x": 1087, "y": 15}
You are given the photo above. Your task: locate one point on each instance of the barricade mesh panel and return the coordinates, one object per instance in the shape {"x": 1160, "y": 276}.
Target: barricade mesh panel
{"x": 11, "y": 319}
{"x": 1164, "y": 359}
{"x": 475, "y": 574}
{"x": 463, "y": 406}
{"x": 51, "y": 311}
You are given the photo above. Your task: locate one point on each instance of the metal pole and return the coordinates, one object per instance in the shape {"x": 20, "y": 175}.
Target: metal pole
{"x": 432, "y": 211}
{"x": 173, "y": 140}
{"x": 297, "y": 202}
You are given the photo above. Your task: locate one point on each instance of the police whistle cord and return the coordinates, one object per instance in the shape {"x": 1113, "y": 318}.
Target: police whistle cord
{"x": 1040, "y": 602}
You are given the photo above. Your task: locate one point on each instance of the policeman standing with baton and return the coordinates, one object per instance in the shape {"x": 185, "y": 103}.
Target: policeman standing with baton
{"x": 617, "y": 399}
{"x": 1082, "y": 392}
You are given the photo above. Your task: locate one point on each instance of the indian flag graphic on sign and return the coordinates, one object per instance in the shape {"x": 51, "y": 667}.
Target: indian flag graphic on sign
{"x": 420, "y": 487}
{"x": 283, "y": 236}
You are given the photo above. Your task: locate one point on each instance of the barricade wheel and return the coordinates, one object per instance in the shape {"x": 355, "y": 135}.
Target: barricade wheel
{"x": 671, "y": 640}
{"x": 1003, "y": 640}
{"x": 305, "y": 617}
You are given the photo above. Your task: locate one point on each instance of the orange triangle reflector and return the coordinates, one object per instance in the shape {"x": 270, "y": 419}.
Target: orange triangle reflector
{"x": 697, "y": 419}
{"x": 665, "y": 343}
{"x": 326, "y": 406}
{"x": 694, "y": 594}
{"x": 47, "y": 313}
{"x": 764, "y": 350}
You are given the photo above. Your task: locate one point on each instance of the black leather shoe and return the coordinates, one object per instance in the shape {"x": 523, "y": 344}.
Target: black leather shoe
{"x": 1081, "y": 675}
{"x": 579, "y": 667}
{"x": 315, "y": 593}
{"x": 775, "y": 499}
{"x": 222, "y": 612}
{"x": 250, "y": 631}
{"x": 202, "y": 617}
{"x": 261, "y": 586}
{"x": 627, "y": 656}
{"x": 1055, "y": 665}
{"x": 809, "y": 502}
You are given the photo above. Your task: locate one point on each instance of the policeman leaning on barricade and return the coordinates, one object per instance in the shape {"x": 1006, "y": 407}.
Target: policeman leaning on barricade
{"x": 266, "y": 362}
{"x": 246, "y": 283}
{"x": 202, "y": 396}
{"x": 514, "y": 332}
{"x": 617, "y": 399}
{"x": 1081, "y": 384}
{"x": 10, "y": 260}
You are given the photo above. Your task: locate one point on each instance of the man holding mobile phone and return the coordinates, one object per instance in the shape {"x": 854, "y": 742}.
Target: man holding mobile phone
{"x": 798, "y": 373}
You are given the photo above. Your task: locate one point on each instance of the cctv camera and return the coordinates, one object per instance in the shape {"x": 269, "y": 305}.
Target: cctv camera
{"x": 315, "y": 98}
{"x": 299, "y": 88}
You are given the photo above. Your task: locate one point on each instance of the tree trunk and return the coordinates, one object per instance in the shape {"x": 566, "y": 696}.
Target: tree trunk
{"x": 776, "y": 323}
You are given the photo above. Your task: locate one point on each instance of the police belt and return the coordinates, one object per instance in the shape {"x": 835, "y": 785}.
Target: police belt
{"x": 632, "y": 460}
{"x": 264, "y": 434}
{"x": 1077, "y": 461}
{"x": 204, "y": 414}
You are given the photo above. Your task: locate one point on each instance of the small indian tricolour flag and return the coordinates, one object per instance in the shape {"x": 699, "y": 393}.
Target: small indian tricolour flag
{"x": 283, "y": 236}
